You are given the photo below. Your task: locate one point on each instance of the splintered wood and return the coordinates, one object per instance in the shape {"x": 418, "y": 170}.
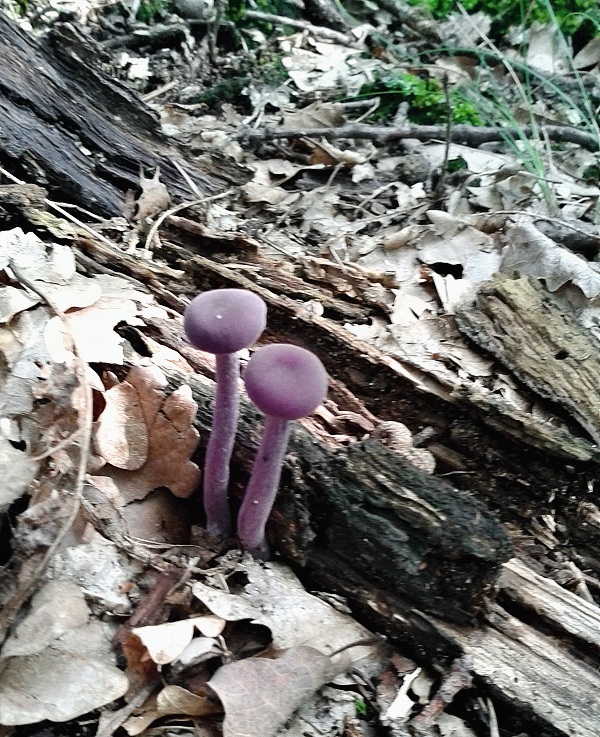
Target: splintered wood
{"x": 523, "y": 326}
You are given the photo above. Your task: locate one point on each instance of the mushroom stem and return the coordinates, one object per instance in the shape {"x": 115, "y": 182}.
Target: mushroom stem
{"x": 262, "y": 487}
{"x": 220, "y": 445}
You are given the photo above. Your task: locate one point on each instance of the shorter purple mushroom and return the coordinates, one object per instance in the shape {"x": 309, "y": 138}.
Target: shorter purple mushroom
{"x": 285, "y": 382}
{"x": 223, "y": 321}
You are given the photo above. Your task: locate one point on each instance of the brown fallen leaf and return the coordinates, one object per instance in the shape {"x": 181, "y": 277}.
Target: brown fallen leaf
{"x": 259, "y": 694}
{"x": 121, "y": 433}
{"x": 172, "y": 438}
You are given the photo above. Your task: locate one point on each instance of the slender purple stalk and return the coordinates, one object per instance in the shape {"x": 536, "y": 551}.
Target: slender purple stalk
{"x": 262, "y": 488}
{"x": 220, "y": 445}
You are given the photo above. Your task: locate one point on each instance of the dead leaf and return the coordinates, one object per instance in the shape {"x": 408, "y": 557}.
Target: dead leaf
{"x": 318, "y": 114}
{"x": 17, "y": 471}
{"x": 24, "y": 355}
{"x": 274, "y": 597}
{"x": 13, "y": 301}
{"x": 532, "y": 253}
{"x": 57, "y": 608}
{"x": 166, "y": 642}
{"x": 260, "y": 695}
{"x": 93, "y": 330}
{"x": 121, "y": 433}
{"x": 100, "y": 569}
{"x": 153, "y": 199}
{"x": 172, "y": 438}
{"x": 172, "y": 700}
{"x": 57, "y": 664}
{"x": 160, "y": 517}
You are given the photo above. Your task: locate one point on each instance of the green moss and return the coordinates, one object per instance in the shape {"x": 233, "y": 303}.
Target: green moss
{"x": 227, "y": 90}
{"x": 506, "y": 13}
{"x": 426, "y": 99}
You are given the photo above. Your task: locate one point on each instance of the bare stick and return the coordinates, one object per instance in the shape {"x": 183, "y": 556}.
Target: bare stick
{"x": 469, "y": 135}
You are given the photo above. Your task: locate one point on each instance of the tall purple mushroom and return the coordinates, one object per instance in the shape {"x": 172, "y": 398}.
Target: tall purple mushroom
{"x": 285, "y": 382}
{"x": 223, "y": 321}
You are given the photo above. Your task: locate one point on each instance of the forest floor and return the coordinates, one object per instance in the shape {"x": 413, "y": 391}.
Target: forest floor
{"x": 403, "y": 167}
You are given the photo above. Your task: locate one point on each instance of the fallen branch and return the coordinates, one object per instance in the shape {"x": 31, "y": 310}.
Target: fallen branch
{"x": 469, "y": 135}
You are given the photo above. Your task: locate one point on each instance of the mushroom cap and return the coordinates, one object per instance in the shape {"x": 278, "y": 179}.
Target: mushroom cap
{"x": 285, "y": 381}
{"x": 224, "y": 320}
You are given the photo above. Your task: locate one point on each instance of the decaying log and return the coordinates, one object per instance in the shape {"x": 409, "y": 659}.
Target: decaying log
{"x": 523, "y": 326}
{"x": 547, "y": 686}
{"x": 68, "y": 127}
{"x": 364, "y": 508}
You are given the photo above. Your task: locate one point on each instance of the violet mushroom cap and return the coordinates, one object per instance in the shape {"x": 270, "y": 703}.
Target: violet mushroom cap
{"x": 223, "y": 321}
{"x": 285, "y": 382}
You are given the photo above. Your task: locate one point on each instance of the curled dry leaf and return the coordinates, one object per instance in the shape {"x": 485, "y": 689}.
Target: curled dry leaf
{"x": 172, "y": 700}
{"x": 172, "y": 438}
{"x": 532, "y": 253}
{"x": 154, "y": 198}
{"x": 165, "y": 642}
{"x": 122, "y": 434}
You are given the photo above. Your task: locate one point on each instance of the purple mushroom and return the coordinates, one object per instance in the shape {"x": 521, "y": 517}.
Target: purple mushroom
{"x": 223, "y": 322}
{"x": 285, "y": 382}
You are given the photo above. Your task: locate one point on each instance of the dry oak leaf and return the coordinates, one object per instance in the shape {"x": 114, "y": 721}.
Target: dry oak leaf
{"x": 121, "y": 431}
{"x": 172, "y": 700}
{"x": 259, "y": 694}
{"x": 172, "y": 438}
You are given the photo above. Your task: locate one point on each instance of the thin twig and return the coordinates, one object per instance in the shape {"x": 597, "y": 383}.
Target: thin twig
{"x": 321, "y": 31}
{"x": 439, "y": 187}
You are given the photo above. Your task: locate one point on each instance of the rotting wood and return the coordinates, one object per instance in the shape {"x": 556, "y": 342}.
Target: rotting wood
{"x": 524, "y": 327}
{"x": 560, "y": 610}
{"x": 84, "y": 134}
{"x": 530, "y": 675}
{"x": 366, "y": 508}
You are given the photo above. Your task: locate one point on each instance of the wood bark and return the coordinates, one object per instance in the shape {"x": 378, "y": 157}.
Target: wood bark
{"x": 74, "y": 130}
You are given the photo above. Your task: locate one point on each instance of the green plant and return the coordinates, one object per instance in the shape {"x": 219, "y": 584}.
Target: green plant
{"x": 505, "y": 13}
{"x": 149, "y": 9}
{"x": 22, "y": 7}
{"x": 360, "y": 707}
{"x": 426, "y": 98}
